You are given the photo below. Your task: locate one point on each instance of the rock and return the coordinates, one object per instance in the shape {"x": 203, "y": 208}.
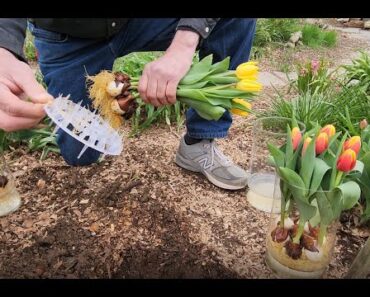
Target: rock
{"x": 355, "y": 24}
{"x": 144, "y": 198}
{"x": 300, "y": 43}
{"x": 290, "y": 44}
{"x": 134, "y": 191}
{"x": 94, "y": 228}
{"x": 295, "y": 37}
{"x": 41, "y": 184}
{"x": 367, "y": 25}
{"x": 343, "y": 20}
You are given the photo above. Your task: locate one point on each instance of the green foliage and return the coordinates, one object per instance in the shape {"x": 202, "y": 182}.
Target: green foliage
{"x": 323, "y": 97}
{"x": 274, "y": 30}
{"x": 313, "y": 76}
{"x": 277, "y": 31}
{"x": 313, "y": 36}
{"x": 40, "y": 138}
{"x": 359, "y": 71}
{"x": 307, "y": 107}
{"x": 29, "y": 47}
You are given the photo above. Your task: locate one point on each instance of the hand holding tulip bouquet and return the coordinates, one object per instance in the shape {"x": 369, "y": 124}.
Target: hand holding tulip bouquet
{"x": 315, "y": 185}
{"x": 211, "y": 89}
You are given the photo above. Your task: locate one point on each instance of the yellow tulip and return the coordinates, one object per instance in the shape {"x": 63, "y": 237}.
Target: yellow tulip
{"x": 245, "y": 71}
{"x": 249, "y": 63}
{"x": 239, "y": 111}
{"x": 249, "y": 85}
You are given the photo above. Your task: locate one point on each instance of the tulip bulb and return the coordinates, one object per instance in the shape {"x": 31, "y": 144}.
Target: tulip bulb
{"x": 306, "y": 227}
{"x": 288, "y": 223}
{"x": 314, "y": 256}
{"x": 116, "y": 108}
{"x": 363, "y": 124}
{"x": 114, "y": 88}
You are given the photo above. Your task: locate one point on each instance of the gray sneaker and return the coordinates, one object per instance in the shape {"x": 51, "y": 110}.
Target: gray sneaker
{"x": 205, "y": 157}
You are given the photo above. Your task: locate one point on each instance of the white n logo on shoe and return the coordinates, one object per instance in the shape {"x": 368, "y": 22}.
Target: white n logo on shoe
{"x": 204, "y": 162}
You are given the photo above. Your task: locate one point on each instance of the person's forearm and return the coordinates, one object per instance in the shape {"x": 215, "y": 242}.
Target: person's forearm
{"x": 185, "y": 41}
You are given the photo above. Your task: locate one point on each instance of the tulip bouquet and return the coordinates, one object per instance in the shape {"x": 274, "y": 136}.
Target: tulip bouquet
{"x": 315, "y": 184}
{"x": 211, "y": 89}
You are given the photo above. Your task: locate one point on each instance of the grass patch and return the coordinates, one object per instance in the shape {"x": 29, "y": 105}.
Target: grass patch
{"x": 313, "y": 36}
{"x": 274, "y": 30}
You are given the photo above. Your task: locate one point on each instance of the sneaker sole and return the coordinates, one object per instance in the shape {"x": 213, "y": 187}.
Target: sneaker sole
{"x": 186, "y": 164}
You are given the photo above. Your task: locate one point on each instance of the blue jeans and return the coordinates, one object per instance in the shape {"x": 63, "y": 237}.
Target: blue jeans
{"x": 64, "y": 61}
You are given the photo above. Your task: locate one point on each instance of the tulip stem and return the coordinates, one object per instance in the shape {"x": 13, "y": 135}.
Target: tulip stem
{"x": 300, "y": 230}
{"x": 338, "y": 179}
{"x": 322, "y": 233}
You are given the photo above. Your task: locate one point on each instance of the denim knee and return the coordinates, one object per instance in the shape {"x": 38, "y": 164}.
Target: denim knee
{"x": 70, "y": 149}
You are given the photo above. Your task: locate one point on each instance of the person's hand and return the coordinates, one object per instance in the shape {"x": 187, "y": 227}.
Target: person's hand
{"x": 22, "y": 98}
{"x": 160, "y": 78}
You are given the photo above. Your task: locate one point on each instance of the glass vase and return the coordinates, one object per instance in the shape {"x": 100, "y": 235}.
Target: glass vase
{"x": 261, "y": 172}
{"x": 10, "y": 199}
{"x": 297, "y": 249}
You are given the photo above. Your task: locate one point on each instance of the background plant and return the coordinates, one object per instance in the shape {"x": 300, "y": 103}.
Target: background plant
{"x": 277, "y": 31}
{"x": 29, "y": 49}
{"x": 359, "y": 71}
{"x": 314, "y": 36}
{"x": 313, "y": 76}
{"x": 324, "y": 97}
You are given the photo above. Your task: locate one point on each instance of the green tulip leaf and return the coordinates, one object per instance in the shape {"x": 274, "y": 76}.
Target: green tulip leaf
{"x": 204, "y": 109}
{"x": 222, "y": 79}
{"x": 306, "y": 211}
{"x": 277, "y": 155}
{"x": 295, "y": 184}
{"x": 308, "y": 164}
{"x": 320, "y": 168}
{"x": 221, "y": 66}
{"x": 195, "y": 86}
{"x": 191, "y": 94}
{"x": 289, "y": 145}
{"x": 366, "y": 161}
{"x": 351, "y": 193}
{"x": 315, "y": 220}
{"x": 324, "y": 207}
{"x": 198, "y": 71}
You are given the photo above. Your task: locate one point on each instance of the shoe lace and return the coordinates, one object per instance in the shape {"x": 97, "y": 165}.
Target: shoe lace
{"x": 215, "y": 151}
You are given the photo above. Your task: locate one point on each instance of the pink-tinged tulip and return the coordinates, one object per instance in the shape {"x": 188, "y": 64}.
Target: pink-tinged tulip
{"x": 322, "y": 142}
{"x": 315, "y": 65}
{"x": 353, "y": 143}
{"x": 328, "y": 129}
{"x": 347, "y": 160}
{"x": 296, "y": 137}
{"x": 306, "y": 142}
{"x": 363, "y": 124}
